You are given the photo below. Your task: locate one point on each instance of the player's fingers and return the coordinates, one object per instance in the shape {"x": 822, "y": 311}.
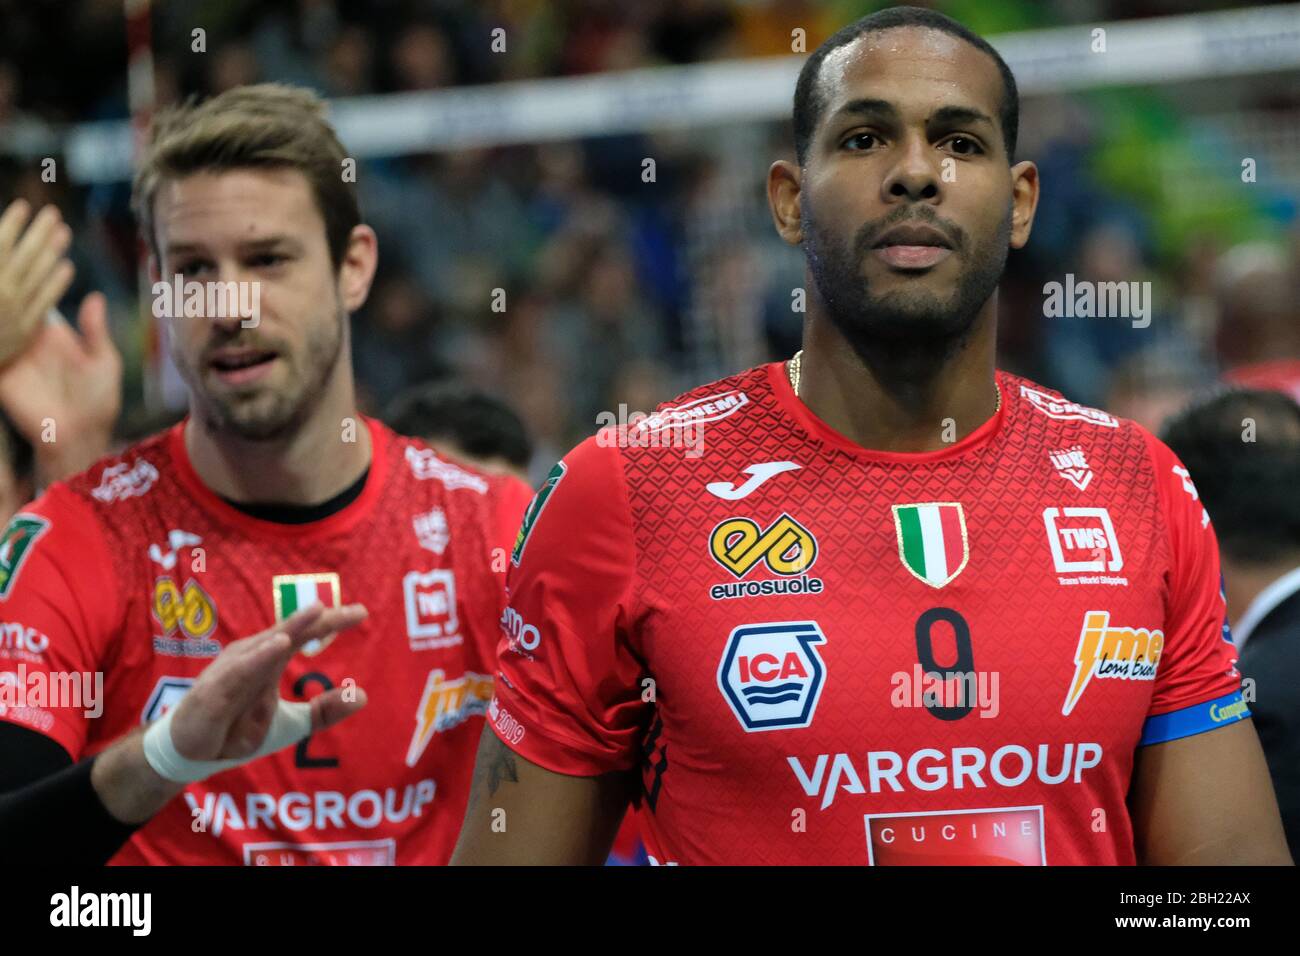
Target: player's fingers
{"x": 45, "y": 298}
{"x": 43, "y": 259}
{"x": 226, "y": 689}
{"x": 245, "y": 676}
{"x": 329, "y": 708}
{"x": 332, "y": 621}
{"x": 290, "y": 627}
{"x": 12, "y": 222}
{"x": 247, "y": 730}
{"x": 295, "y": 622}
{"x": 19, "y": 262}
{"x": 92, "y": 320}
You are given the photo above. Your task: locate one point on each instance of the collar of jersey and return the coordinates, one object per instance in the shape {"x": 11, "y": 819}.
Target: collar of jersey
{"x": 795, "y": 407}
{"x": 339, "y": 522}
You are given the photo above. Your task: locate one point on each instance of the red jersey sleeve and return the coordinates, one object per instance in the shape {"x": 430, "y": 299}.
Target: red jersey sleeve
{"x": 511, "y": 501}
{"x": 505, "y": 509}
{"x": 60, "y": 603}
{"x": 568, "y": 692}
{"x": 1197, "y": 685}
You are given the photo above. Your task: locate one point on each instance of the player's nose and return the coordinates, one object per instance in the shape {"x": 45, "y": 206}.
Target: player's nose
{"x": 913, "y": 175}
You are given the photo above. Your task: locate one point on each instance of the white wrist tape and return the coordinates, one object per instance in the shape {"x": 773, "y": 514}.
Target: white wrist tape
{"x": 291, "y": 723}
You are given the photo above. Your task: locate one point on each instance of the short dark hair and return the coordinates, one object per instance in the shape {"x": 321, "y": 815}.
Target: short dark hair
{"x": 808, "y": 103}
{"x": 1249, "y": 488}
{"x": 475, "y": 422}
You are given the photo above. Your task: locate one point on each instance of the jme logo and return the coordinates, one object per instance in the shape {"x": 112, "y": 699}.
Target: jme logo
{"x": 103, "y": 909}
{"x": 772, "y": 675}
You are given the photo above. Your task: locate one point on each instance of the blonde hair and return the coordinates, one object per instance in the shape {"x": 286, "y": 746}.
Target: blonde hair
{"x": 268, "y": 125}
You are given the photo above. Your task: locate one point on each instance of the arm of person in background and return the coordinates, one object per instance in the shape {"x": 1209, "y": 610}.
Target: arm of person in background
{"x": 1200, "y": 793}
{"x": 61, "y": 388}
{"x": 231, "y": 715}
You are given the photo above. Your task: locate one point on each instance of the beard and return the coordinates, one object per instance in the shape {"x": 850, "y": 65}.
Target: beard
{"x": 910, "y": 329}
{"x": 265, "y": 412}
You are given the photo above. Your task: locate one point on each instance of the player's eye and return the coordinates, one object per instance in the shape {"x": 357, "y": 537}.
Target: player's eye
{"x": 965, "y": 146}
{"x": 191, "y": 268}
{"x": 267, "y": 260}
{"x": 859, "y": 142}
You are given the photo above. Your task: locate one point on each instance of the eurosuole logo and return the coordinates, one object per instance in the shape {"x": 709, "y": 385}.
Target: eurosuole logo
{"x": 786, "y": 547}
{"x": 187, "y": 616}
{"x": 772, "y": 675}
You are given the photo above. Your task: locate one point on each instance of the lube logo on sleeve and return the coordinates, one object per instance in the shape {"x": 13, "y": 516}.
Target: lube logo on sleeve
{"x": 772, "y": 675}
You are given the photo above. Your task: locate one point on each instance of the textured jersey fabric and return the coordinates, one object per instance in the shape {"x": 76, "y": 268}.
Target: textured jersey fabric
{"x": 815, "y": 653}
{"x": 136, "y": 571}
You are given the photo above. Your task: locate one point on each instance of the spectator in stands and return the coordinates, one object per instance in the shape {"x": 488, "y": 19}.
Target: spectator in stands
{"x": 1258, "y": 333}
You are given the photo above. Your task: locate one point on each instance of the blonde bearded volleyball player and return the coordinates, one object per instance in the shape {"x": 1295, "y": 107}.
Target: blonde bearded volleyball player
{"x": 272, "y": 497}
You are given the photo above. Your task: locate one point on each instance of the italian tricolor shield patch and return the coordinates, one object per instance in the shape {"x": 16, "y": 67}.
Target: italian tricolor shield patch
{"x": 932, "y": 540}
{"x": 293, "y": 592}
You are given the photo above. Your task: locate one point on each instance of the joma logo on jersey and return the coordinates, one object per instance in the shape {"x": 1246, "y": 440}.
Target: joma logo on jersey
{"x": 444, "y": 705}
{"x": 772, "y": 675}
{"x": 1112, "y": 653}
{"x": 22, "y": 533}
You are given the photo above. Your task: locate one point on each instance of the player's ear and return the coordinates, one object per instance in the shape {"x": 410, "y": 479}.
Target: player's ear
{"x": 155, "y": 270}
{"x": 357, "y": 268}
{"x": 784, "y": 180}
{"x": 1024, "y": 200}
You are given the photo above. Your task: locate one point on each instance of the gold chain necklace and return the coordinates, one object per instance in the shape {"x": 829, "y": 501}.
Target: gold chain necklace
{"x": 795, "y": 365}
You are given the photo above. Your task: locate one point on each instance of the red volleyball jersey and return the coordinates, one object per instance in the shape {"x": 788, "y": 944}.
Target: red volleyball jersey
{"x": 136, "y": 571}
{"x": 820, "y": 654}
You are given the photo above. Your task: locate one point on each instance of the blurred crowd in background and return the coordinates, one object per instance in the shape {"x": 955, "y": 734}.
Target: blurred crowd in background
{"x": 623, "y": 292}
